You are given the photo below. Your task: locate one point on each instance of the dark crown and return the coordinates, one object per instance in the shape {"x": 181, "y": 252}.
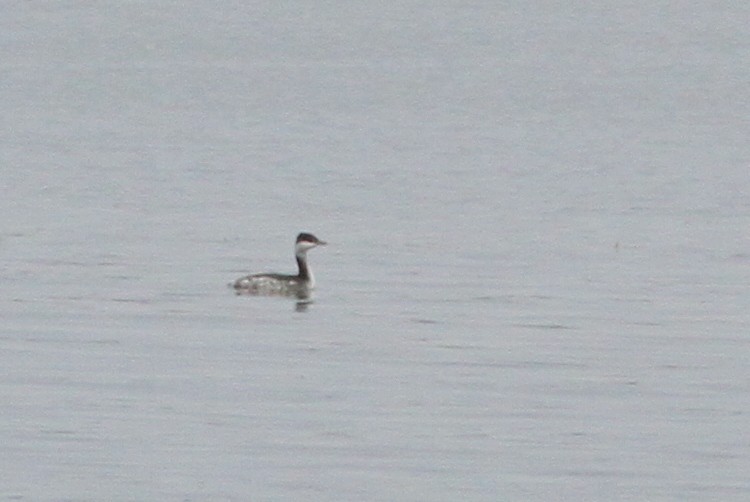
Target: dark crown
{"x": 304, "y": 236}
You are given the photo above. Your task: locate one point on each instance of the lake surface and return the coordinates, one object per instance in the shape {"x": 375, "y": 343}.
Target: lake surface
{"x": 536, "y": 284}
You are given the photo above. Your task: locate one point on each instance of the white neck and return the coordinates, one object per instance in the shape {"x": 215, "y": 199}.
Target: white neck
{"x": 304, "y": 268}
{"x": 310, "y": 278}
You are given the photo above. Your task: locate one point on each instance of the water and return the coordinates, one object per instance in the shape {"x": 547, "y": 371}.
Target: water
{"x": 536, "y": 283}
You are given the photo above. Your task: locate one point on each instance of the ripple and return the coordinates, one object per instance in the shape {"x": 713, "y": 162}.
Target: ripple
{"x": 553, "y": 326}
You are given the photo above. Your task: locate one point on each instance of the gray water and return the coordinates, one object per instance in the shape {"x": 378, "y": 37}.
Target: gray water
{"x": 536, "y": 283}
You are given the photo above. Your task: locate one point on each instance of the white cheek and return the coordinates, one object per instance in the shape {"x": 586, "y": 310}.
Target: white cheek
{"x": 302, "y": 247}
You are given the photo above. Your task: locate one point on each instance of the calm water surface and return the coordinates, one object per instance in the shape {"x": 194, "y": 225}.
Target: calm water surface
{"x": 536, "y": 283}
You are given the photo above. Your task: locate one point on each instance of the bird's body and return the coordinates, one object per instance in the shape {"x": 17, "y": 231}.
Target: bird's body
{"x": 272, "y": 284}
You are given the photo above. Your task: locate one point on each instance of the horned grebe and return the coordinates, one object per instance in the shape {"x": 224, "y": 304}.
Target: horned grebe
{"x": 298, "y": 285}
